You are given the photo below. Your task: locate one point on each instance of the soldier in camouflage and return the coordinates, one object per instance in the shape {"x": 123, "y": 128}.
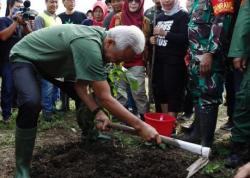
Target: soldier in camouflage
{"x": 208, "y": 30}
{"x": 149, "y": 13}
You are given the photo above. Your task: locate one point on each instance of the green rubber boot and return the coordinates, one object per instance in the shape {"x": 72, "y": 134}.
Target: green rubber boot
{"x": 25, "y": 141}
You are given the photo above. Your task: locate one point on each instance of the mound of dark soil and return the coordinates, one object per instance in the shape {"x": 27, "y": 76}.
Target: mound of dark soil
{"x": 108, "y": 160}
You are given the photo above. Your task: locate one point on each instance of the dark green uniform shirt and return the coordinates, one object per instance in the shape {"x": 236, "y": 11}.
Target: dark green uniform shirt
{"x": 69, "y": 51}
{"x": 240, "y": 44}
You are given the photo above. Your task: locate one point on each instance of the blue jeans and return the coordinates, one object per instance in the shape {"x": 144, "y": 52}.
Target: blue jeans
{"x": 49, "y": 93}
{"x": 7, "y": 90}
{"x": 131, "y": 102}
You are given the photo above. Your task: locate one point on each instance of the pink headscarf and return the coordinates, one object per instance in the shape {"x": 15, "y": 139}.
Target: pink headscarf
{"x": 104, "y": 8}
{"x": 129, "y": 18}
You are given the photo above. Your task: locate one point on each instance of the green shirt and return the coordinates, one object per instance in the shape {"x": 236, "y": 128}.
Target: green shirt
{"x": 240, "y": 43}
{"x": 69, "y": 51}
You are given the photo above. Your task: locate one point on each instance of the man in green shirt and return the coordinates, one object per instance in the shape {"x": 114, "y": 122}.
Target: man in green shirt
{"x": 240, "y": 51}
{"x": 77, "y": 53}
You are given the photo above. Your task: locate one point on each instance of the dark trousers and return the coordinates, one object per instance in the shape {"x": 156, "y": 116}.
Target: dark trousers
{"x": 7, "y": 89}
{"x": 230, "y": 92}
{"x": 232, "y": 85}
{"x": 188, "y": 102}
{"x": 27, "y": 83}
{"x": 241, "y": 115}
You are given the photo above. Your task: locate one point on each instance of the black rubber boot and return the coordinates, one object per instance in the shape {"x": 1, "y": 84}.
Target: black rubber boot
{"x": 25, "y": 141}
{"x": 194, "y": 135}
{"x": 208, "y": 120}
{"x": 188, "y": 129}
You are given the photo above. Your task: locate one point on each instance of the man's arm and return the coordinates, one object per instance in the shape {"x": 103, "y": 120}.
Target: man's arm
{"x": 81, "y": 88}
{"x": 8, "y": 32}
{"x": 102, "y": 91}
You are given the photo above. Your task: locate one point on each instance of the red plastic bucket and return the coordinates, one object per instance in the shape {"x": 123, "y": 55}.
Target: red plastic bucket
{"x": 163, "y": 123}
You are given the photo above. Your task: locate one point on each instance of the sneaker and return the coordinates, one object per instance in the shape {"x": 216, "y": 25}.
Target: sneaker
{"x": 227, "y": 126}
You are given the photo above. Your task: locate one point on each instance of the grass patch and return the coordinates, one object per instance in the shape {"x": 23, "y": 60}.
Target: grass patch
{"x": 127, "y": 139}
{"x": 12, "y": 124}
{"x": 66, "y": 121}
{"x": 216, "y": 169}
{"x": 7, "y": 139}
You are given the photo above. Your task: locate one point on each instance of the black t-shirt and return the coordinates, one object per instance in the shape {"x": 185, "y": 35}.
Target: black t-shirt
{"x": 75, "y": 18}
{"x": 5, "y": 46}
{"x": 176, "y": 41}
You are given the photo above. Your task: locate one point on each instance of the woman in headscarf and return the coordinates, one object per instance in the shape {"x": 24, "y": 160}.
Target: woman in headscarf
{"x": 171, "y": 40}
{"x": 132, "y": 14}
{"x": 100, "y": 10}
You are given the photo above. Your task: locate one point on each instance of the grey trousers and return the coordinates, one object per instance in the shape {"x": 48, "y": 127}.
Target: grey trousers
{"x": 139, "y": 96}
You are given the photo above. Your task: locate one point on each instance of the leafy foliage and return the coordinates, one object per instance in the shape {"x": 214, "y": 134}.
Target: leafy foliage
{"x": 213, "y": 167}
{"x": 117, "y": 74}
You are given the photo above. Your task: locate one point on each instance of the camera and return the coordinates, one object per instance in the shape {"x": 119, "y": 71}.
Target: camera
{"x": 26, "y": 12}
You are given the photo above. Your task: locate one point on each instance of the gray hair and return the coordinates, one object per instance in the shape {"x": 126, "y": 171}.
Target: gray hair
{"x": 127, "y": 36}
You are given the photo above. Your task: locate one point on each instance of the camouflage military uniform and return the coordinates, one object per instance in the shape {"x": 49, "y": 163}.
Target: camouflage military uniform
{"x": 207, "y": 34}
{"x": 149, "y": 13}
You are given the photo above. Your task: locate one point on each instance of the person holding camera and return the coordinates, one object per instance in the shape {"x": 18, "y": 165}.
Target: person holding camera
{"x": 12, "y": 28}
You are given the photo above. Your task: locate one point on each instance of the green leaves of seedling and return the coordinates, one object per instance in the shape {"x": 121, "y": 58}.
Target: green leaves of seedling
{"x": 117, "y": 74}
{"x": 213, "y": 168}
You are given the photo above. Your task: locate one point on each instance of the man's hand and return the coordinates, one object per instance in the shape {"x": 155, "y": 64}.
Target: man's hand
{"x": 149, "y": 133}
{"x": 102, "y": 121}
{"x": 159, "y": 32}
{"x": 206, "y": 64}
{"x": 243, "y": 172}
{"x": 239, "y": 64}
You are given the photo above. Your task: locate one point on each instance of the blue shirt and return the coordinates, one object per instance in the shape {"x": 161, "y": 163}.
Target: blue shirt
{"x": 5, "y": 46}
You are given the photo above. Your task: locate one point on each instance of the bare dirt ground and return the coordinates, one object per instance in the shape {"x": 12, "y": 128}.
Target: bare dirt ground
{"x": 60, "y": 153}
